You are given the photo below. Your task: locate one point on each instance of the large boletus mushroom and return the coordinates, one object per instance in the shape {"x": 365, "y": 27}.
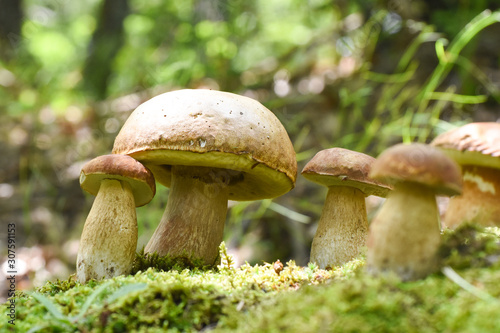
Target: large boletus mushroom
{"x": 207, "y": 146}
{"x": 405, "y": 235}
{"x": 109, "y": 237}
{"x": 476, "y": 147}
{"x": 343, "y": 225}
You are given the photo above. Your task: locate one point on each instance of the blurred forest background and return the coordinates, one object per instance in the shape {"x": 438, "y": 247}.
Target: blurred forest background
{"x": 357, "y": 74}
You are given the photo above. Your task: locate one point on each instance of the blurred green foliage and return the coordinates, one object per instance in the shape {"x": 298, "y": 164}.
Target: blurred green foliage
{"x": 362, "y": 75}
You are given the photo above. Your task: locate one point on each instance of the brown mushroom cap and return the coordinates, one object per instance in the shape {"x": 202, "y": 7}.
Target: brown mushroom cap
{"x": 418, "y": 163}
{"x": 123, "y": 168}
{"x": 343, "y": 167}
{"x": 212, "y": 129}
{"x": 473, "y": 144}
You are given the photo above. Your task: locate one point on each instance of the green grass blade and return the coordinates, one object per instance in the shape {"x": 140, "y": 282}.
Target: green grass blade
{"x": 481, "y": 21}
{"x": 125, "y": 290}
{"x": 477, "y": 73}
{"x": 426, "y": 35}
{"x": 90, "y": 300}
{"x": 453, "y": 276}
{"x": 457, "y": 98}
{"x": 51, "y": 307}
{"x": 291, "y": 214}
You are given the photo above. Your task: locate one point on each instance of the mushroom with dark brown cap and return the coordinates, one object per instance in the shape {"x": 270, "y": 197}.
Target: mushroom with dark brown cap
{"x": 476, "y": 148}
{"x": 109, "y": 238}
{"x": 207, "y": 146}
{"x": 343, "y": 225}
{"x": 405, "y": 235}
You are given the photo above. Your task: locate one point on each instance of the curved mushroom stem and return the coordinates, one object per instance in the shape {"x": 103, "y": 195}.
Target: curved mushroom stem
{"x": 404, "y": 236}
{"x": 342, "y": 228}
{"x": 479, "y": 199}
{"x": 109, "y": 237}
{"x": 193, "y": 222}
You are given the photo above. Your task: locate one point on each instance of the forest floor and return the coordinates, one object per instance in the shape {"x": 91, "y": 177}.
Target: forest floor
{"x": 464, "y": 296}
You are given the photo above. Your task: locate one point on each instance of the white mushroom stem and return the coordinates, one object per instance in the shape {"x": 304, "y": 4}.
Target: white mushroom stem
{"x": 480, "y": 199}
{"x": 193, "y": 222}
{"x": 404, "y": 236}
{"x": 109, "y": 237}
{"x": 342, "y": 228}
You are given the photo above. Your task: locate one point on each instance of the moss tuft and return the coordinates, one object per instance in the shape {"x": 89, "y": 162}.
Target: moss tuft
{"x": 143, "y": 261}
{"x": 53, "y": 288}
{"x": 470, "y": 246}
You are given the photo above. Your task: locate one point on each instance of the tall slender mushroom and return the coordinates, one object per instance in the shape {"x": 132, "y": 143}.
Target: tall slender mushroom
{"x": 343, "y": 225}
{"x": 208, "y": 147}
{"x": 476, "y": 147}
{"x": 109, "y": 237}
{"x": 405, "y": 235}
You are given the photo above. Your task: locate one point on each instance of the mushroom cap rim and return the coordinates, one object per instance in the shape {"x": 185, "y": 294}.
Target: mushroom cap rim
{"x": 140, "y": 178}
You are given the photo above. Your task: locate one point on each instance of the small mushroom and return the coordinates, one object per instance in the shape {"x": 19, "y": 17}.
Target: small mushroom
{"x": 109, "y": 238}
{"x": 207, "y": 146}
{"x": 404, "y": 236}
{"x": 343, "y": 225}
{"x": 476, "y": 147}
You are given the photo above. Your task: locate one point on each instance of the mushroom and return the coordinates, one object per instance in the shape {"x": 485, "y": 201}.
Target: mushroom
{"x": 207, "y": 146}
{"x": 343, "y": 225}
{"x": 404, "y": 236}
{"x": 109, "y": 238}
{"x": 476, "y": 147}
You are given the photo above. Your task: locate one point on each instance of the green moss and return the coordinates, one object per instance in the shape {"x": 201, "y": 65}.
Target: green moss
{"x": 187, "y": 300}
{"x": 270, "y": 298}
{"x": 470, "y": 246}
{"x": 144, "y": 261}
{"x": 58, "y": 286}
{"x": 366, "y": 304}
{"x": 385, "y": 304}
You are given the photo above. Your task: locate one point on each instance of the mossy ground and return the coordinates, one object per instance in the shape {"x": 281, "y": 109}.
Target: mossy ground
{"x": 264, "y": 298}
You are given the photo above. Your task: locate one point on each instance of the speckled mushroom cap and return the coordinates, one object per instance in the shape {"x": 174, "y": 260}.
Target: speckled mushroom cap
{"x": 418, "y": 163}
{"x": 123, "y": 168}
{"x": 473, "y": 144}
{"x": 343, "y": 167}
{"x": 212, "y": 129}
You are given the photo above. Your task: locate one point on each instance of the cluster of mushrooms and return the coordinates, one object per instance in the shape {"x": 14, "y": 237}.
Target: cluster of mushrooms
{"x": 209, "y": 147}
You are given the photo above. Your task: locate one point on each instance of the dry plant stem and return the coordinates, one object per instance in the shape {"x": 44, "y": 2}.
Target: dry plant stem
{"x": 193, "y": 222}
{"x": 109, "y": 237}
{"x": 342, "y": 228}
{"x": 479, "y": 201}
{"x": 404, "y": 236}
